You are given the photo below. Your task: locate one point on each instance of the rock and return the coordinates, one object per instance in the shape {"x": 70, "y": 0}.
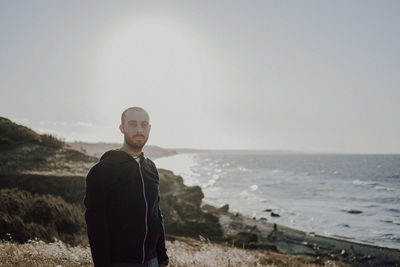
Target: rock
{"x": 274, "y": 235}
{"x": 180, "y": 206}
{"x": 262, "y": 245}
{"x": 224, "y": 208}
{"x": 275, "y": 214}
{"x": 242, "y": 239}
{"x": 268, "y": 210}
{"x": 212, "y": 209}
{"x": 209, "y": 208}
{"x": 353, "y": 211}
{"x": 192, "y": 195}
{"x": 169, "y": 182}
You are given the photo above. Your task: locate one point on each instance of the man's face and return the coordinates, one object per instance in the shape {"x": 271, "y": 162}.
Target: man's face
{"x": 136, "y": 129}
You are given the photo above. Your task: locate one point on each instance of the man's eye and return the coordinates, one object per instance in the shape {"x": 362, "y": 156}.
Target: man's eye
{"x": 133, "y": 124}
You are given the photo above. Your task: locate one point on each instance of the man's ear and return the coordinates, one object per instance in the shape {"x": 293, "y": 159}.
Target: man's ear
{"x": 121, "y": 128}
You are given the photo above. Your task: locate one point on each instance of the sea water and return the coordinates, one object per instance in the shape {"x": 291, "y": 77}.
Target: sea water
{"x": 352, "y": 197}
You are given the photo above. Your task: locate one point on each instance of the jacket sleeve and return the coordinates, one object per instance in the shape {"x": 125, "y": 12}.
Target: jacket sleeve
{"x": 95, "y": 202}
{"x": 161, "y": 249}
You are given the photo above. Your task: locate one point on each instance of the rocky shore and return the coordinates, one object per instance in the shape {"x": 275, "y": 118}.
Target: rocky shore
{"x": 185, "y": 214}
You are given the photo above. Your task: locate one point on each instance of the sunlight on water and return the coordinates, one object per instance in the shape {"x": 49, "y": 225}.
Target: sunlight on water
{"x": 181, "y": 164}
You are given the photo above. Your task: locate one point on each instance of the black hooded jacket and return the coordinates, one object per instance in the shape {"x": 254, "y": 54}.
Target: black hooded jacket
{"x": 123, "y": 218}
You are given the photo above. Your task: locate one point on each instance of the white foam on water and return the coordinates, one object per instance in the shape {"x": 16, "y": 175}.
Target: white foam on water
{"x": 210, "y": 182}
{"x": 244, "y": 194}
{"x": 253, "y": 187}
{"x": 243, "y": 169}
{"x": 215, "y": 176}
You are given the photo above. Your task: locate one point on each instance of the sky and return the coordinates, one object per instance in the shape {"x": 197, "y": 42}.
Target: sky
{"x": 312, "y": 76}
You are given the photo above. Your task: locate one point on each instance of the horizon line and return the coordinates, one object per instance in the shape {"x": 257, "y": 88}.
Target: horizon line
{"x": 281, "y": 151}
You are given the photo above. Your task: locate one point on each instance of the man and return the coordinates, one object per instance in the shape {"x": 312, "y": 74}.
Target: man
{"x": 123, "y": 218}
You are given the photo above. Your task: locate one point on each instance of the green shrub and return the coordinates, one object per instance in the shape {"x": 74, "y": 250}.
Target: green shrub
{"x": 24, "y": 216}
{"x": 51, "y": 141}
{"x": 5, "y": 141}
{"x": 69, "y": 188}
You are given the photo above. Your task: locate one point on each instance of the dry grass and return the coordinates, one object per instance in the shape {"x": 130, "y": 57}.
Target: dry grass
{"x": 39, "y": 253}
{"x": 182, "y": 254}
{"x": 206, "y": 254}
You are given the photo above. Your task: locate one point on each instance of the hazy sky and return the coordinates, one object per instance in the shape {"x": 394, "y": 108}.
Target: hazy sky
{"x": 319, "y": 76}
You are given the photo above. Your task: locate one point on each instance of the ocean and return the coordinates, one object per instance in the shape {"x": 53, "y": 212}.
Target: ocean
{"x": 346, "y": 196}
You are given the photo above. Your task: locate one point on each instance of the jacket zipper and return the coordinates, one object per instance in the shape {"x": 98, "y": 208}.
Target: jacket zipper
{"x": 145, "y": 218}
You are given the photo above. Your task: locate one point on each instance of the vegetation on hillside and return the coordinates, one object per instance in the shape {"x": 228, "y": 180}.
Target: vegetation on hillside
{"x": 11, "y": 133}
{"x": 25, "y": 151}
{"x": 24, "y": 216}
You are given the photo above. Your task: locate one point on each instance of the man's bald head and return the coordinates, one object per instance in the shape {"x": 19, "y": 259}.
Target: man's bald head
{"x": 133, "y": 109}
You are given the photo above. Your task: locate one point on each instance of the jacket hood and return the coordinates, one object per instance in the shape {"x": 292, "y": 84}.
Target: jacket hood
{"x": 120, "y": 156}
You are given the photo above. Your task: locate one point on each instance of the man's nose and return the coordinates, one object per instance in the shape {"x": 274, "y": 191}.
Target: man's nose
{"x": 140, "y": 129}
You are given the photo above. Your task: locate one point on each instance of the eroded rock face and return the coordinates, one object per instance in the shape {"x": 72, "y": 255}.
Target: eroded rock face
{"x": 190, "y": 195}
{"x": 224, "y": 208}
{"x": 180, "y": 205}
{"x": 169, "y": 182}
{"x": 184, "y": 215}
{"x": 212, "y": 209}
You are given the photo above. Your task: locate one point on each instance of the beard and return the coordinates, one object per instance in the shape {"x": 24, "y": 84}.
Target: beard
{"x": 135, "y": 145}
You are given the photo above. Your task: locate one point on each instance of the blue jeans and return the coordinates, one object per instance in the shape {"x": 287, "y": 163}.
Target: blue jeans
{"x": 150, "y": 263}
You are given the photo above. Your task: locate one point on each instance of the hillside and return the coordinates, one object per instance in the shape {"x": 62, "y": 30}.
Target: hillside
{"x": 23, "y": 151}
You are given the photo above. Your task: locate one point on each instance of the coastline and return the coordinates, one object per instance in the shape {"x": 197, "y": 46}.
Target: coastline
{"x": 296, "y": 242}
{"x": 257, "y": 233}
